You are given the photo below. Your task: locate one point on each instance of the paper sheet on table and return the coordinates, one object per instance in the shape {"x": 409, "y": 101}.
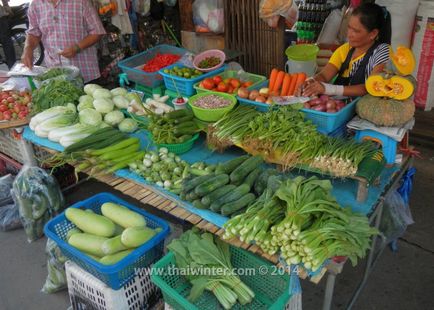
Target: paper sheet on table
{"x": 396, "y": 133}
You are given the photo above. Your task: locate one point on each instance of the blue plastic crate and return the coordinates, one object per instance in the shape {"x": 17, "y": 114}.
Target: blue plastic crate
{"x": 132, "y": 65}
{"x": 182, "y": 85}
{"x": 325, "y": 122}
{"x": 117, "y": 275}
{"x": 388, "y": 145}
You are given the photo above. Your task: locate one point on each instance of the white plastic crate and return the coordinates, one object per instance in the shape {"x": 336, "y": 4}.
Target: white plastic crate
{"x": 87, "y": 292}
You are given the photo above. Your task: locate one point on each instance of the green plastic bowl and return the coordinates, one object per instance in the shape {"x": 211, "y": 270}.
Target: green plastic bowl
{"x": 180, "y": 148}
{"x": 211, "y": 115}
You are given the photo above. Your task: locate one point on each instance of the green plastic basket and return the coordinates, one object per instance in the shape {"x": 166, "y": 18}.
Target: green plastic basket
{"x": 256, "y": 79}
{"x": 270, "y": 286}
{"x": 180, "y": 148}
{"x": 211, "y": 115}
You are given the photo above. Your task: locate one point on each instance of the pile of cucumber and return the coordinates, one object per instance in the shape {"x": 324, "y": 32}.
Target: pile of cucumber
{"x": 110, "y": 237}
{"x": 233, "y": 186}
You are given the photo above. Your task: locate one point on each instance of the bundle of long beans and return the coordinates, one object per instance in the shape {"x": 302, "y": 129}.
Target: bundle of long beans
{"x": 284, "y": 133}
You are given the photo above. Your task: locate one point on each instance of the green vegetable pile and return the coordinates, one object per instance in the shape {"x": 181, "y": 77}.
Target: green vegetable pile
{"x": 300, "y": 218}
{"x": 284, "y": 134}
{"x": 110, "y": 236}
{"x": 171, "y": 128}
{"x": 185, "y": 72}
{"x": 195, "y": 251}
{"x": 228, "y": 189}
{"x": 55, "y": 93}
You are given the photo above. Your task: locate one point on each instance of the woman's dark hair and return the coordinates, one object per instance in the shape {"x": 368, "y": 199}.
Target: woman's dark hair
{"x": 372, "y": 16}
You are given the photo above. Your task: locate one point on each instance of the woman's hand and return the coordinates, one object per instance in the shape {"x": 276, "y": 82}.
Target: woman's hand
{"x": 299, "y": 90}
{"x": 27, "y": 58}
{"x": 314, "y": 88}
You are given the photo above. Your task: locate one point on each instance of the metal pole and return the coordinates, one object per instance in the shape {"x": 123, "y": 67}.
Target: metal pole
{"x": 328, "y": 294}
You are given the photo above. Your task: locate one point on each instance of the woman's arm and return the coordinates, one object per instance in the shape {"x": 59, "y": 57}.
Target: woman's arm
{"x": 313, "y": 86}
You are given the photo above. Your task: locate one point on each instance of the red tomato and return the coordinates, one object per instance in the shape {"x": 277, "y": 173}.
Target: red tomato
{"x": 247, "y": 84}
{"x": 7, "y": 115}
{"x": 208, "y": 83}
{"x": 222, "y": 87}
{"x": 217, "y": 79}
{"x": 22, "y": 115}
{"x": 235, "y": 83}
{"x": 3, "y": 107}
{"x": 11, "y": 99}
{"x": 17, "y": 108}
{"x": 230, "y": 89}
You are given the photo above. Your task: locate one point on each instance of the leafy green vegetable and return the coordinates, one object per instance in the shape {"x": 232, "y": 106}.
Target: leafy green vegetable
{"x": 55, "y": 93}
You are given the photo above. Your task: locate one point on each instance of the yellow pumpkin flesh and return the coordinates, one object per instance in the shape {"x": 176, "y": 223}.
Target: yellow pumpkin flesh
{"x": 403, "y": 60}
{"x": 395, "y": 87}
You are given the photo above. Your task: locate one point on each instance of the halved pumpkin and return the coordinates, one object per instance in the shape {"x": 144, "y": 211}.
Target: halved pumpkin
{"x": 396, "y": 87}
{"x": 403, "y": 60}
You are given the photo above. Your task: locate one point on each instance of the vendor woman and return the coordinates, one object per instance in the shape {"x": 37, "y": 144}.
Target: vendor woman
{"x": 366, "y": 53}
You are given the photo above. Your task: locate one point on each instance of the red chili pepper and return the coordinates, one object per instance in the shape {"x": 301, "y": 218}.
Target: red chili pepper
{"x": 160, "y": 61}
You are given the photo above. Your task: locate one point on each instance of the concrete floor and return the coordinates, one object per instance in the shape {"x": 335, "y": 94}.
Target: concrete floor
{"x": 402, "y": 280}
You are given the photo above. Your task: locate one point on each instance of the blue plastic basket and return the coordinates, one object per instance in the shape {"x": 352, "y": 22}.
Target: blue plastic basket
{"x": 116, "y": 275}
{"x": 132, "y": 65}
{"x": 182, "y": 85}
{"x": 326, "y": 122}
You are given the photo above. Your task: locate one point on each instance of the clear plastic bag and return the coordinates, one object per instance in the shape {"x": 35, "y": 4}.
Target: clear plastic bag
{"x": 271, "y": 11}
{"x": 38, "y": 198}
{"x": 396, "y": 216}
{"x": 68, "y": 73}
{"x": 5, "y": 188}
{"x": 208, "y": 16}
{"x": 9, "y": 218}
{"x": 56, "y": 278}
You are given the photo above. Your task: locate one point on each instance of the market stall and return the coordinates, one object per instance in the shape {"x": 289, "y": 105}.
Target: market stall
{"x": 291, "y": 182}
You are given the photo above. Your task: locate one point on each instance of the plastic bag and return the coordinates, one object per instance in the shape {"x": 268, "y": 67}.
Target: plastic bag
{"x": 5, "y": 188}
{"x": 396, "y": 216}
{"x": 330, "y": 30}
{"x": 38, "y": 198}
{"x": 56, "y": 279}
{"x": 208, "y": 16}
{"x": 9, "y": 218}
{"x": 271, "y": 11}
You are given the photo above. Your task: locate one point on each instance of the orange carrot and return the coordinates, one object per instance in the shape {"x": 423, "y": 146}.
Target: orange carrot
{"x": 273, "y": 76}
{"x": 285, "y": 84}
{"x": 300, "y": 80}
{"x": 292, "y": 86}
{"x": 279, "y": 80}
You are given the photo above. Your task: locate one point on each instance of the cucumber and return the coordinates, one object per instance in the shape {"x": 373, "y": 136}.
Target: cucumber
{"x": 122, "y": 215}
{"x": 198, "y": 204}
{"x": 261, "y": 181}
{"x": 211, "y": 184}
{"x": 72, "y": 232}
{"x": 114, "y": 258}
{"x": 243, "y": 170}
{"x": 231, "y": 207}
{"x": 90, "y": 222}
{"x": 216, "y": 194}
{"x": 133, "y": 237}
{"x": 113, "y": 245}
{"x": 88, "y": 243}
{"x": 229, "y": 166}
{"x": 236, "y": 194}
{"x": 251, "y": 178}
{"x": 191, "y": 196}
{"x": 189, "y": 185}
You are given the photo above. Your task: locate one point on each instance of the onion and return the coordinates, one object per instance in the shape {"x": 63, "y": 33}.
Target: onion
{"x": 253, "y": 94}
{"x": 315, "y": 101}
{"x": 331, "y": 104}
{"x": 243, "y": 92}
{"x": 260, "y": 99}
{"x": 340, "y": 105}
{"x": 307, "y": 105}
{"x": 324, "y": 98}
{"x": 320, "y": 108}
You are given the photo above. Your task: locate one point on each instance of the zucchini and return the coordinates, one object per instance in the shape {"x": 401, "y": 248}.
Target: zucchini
{"x": 236, "y": 194}
{"x": 113, "y": 245}
{"x": 211, "y": 184}
{"x": 133, "y": 237}
{"x": 229, "y": 166}
{"x": 198, "y": 204}
{"x": 189, "y": 185}
{"x": 114, "y": 258}
{"x": 88, "y": 243}
{"x": 91, "y": 223}
{"x": 243, "y": 170}
{"x": 251, "y": 178}
{"x": 216, "y": 194}
{"x": 231, "y": 207}
{"x": 261, "y": 181}
{"x": 122, "y": 215}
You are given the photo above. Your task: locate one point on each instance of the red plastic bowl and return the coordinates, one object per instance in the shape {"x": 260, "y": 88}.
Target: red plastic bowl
{"x": 206, "y": 54}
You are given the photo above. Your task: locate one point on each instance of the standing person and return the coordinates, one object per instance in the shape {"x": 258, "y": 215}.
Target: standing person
{"x": 5, "y": 34}
{"x": 366, "y": 53}
{"x": 69, "y": 30}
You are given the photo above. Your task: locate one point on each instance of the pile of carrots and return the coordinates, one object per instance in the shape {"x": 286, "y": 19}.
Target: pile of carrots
{"x": 285, "y": 84}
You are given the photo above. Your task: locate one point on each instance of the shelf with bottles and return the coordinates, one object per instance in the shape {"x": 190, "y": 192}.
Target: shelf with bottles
{"x": 311, "y": 17}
